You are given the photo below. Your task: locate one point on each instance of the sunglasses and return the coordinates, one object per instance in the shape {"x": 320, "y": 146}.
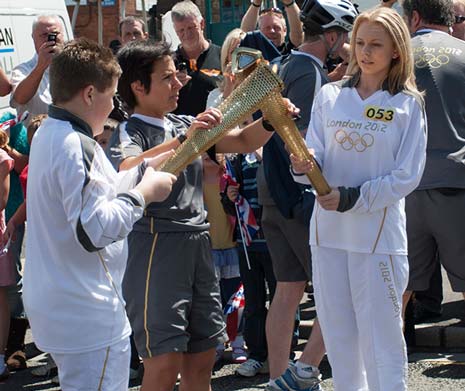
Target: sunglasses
{"x": 459, "y": 19}
{"x": 273, "y": 10}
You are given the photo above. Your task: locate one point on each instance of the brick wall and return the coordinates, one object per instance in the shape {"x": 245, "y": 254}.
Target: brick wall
{"x": 87, "y": 21}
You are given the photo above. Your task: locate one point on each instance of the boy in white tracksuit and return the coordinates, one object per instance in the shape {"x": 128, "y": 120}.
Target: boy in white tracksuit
{"x": 79, "y": 215}
{"x": 368, "y": 136}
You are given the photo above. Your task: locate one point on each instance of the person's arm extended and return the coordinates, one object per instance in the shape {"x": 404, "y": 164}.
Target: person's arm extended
{"x": 133, "y": 161}
{"x": 27, "y": 87}
{"x": 252, "y": 136}
{"x": 5, "y": 85}
{"x": 245, "y": 140}
{"x": 296, "y": 33}
{"x": 98, "y": 220}
{"x": 20, "y": 159}
{"x": 15, "y": 221}
{"x": 250, "y": 19}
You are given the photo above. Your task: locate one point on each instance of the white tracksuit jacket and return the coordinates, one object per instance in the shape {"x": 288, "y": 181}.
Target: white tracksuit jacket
{"x": 74, "y": 214}
{"x": 378, "y": 144}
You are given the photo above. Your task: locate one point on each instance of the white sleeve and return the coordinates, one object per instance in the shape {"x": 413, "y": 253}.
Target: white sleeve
{"x": 18, "y": 74}
{"x": 385, "y": 191}
{"x": 215, "y": 97}
{"x": 97, "y": 214}
{"x": 315, "y": 137}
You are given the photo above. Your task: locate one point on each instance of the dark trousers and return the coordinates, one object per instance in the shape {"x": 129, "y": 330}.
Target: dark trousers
{"x": 431, "y": 298}
{"x": 255, "y": 281}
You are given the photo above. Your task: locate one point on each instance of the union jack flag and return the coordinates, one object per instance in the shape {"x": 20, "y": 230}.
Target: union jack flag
{"x": 234, "y": 310}
{"x": 236, "y": 301}
{"x": 6, "y": 125}
{"x": 247, "y": 222}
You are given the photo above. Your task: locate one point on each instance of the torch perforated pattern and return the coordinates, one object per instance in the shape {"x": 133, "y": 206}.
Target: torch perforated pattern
{"x": 243, "y": 102}
{"x": 261, "y": 90}
{"x": 275, "y": 112}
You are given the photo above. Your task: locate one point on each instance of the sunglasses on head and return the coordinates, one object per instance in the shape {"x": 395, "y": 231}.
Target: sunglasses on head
{"x": 273, "y": 10}
{"x": 459, "y": 19}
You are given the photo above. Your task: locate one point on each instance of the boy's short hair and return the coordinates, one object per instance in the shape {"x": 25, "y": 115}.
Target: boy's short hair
{"x": 137, "y": 60}
{"x": 34, "y": 124}
{"x": 81, "y": 63}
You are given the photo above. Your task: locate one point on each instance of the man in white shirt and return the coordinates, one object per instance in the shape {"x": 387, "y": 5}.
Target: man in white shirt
{"x": 30, "y": 79}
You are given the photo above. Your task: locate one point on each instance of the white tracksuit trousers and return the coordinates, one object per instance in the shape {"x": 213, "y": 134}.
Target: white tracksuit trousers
{"x": 359, "y": 305}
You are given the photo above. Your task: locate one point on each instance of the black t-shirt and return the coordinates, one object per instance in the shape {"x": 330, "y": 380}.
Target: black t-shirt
{"x": 205, "y": 73}
{"x": 286, "y": 47}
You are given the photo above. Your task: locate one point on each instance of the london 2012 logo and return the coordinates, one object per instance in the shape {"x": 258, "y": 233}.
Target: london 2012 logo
{"x": 354, "y": 140}
{"x": 434, "y": 61}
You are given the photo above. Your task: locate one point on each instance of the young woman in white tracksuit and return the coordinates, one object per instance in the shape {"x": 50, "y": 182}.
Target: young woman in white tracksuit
{"x": 368, "y": 134}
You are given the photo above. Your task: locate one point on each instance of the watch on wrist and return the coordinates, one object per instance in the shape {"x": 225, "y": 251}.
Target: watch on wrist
{"x": 181, "y": 138}
{"x": 289, "y": 4}
{"x": 267, "y": 125}
{"x": 255, "y": 5}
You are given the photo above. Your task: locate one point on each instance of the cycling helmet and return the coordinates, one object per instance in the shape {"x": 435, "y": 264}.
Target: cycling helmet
{"x": 320, "y": 15}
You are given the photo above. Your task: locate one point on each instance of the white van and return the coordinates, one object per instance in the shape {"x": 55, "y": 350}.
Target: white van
{"x": 367, "y": 4}
{"x": 16, "y": 18}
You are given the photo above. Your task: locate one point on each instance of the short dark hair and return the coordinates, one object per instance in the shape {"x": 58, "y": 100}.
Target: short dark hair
{"x": 81, "y": 63}
{"x": 131, "y": 20}
{"x": 439, "y": 12}
{"x": 311, "y": 35}
{"x": 137, "y": 60}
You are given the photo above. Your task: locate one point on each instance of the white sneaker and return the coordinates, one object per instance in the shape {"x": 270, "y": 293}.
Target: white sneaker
{"x": 251, "y": 368}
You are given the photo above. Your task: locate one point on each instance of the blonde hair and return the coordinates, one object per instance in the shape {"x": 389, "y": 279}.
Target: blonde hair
{"x": 401, "y": 76}
{"x": 233, "y": 39}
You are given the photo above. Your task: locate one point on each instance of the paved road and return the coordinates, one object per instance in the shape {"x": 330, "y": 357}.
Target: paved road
{"x": 427, "y": 372}
{"x": 431, "y": 371}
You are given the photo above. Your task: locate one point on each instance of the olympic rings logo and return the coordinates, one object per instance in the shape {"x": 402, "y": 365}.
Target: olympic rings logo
{"x": 354, "y": 140}
{"x": 430, "y": 59}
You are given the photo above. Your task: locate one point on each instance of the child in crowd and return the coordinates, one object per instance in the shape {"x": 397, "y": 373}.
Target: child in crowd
{"x": 7, "y": 276}
{"x": 224, "y": 251}
{"x": 256, "y": 269}
{"x": 358, "y": 231}
{"x": 79, "y": 217}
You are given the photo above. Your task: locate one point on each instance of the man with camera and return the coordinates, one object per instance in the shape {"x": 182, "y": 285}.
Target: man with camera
{"x": 30, "y": 79}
